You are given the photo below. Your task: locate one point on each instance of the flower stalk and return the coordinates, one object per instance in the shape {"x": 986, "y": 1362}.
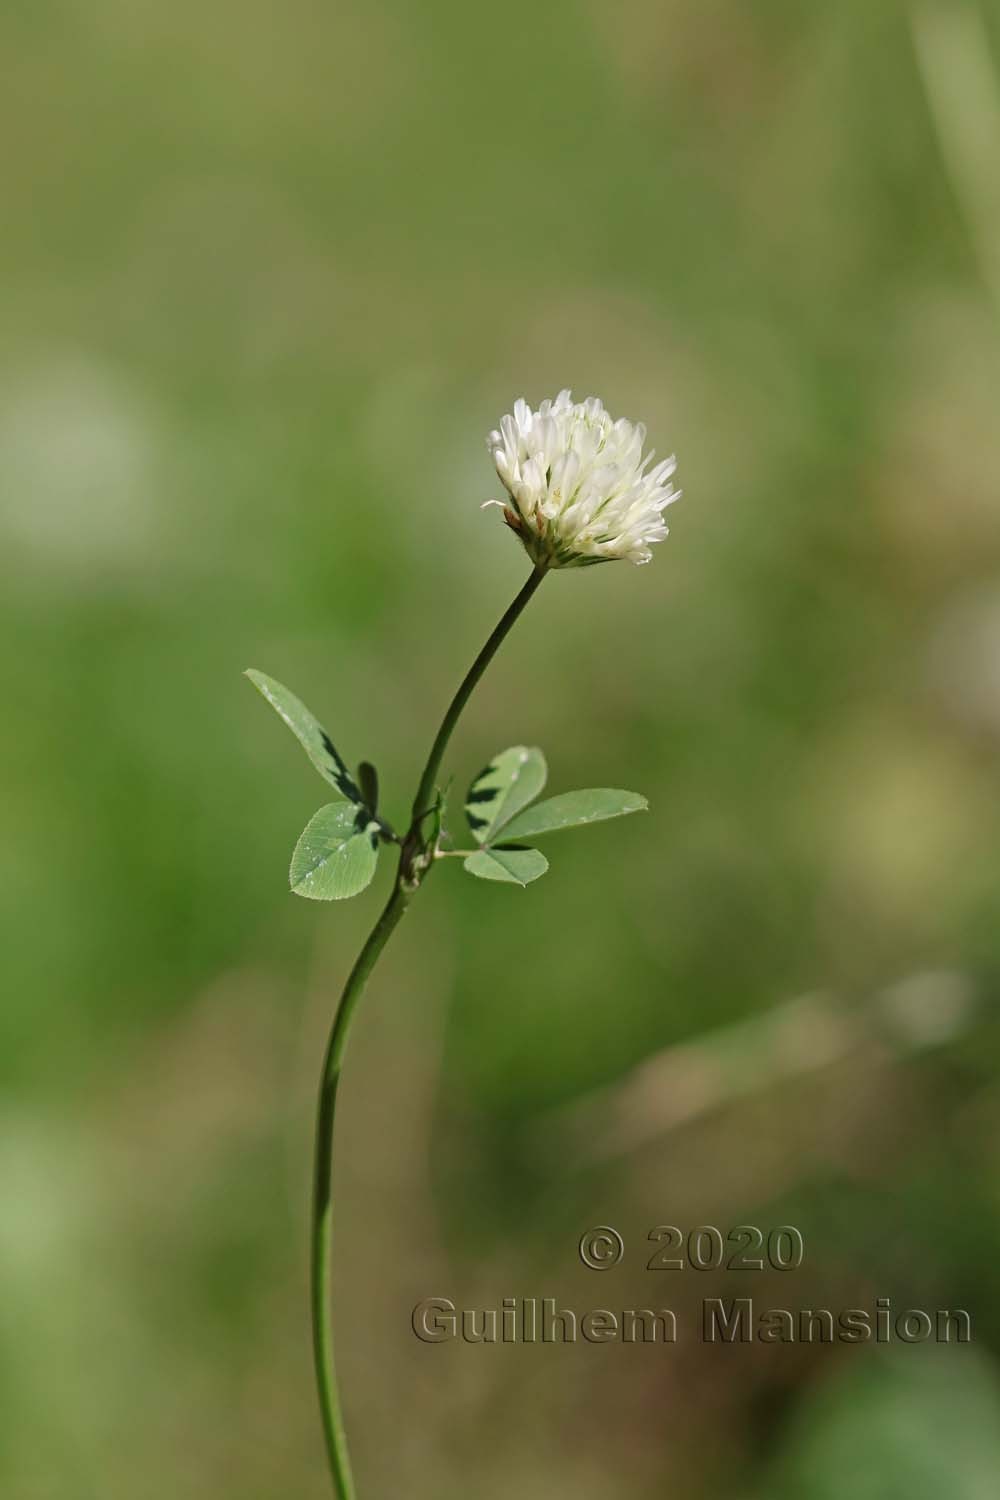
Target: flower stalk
{"x": 415, "y": 859}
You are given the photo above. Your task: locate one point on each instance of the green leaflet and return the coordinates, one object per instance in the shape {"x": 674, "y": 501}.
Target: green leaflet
{"x": 516, "y": 866}
{"x": 336, "y": 854}
{"x": 572, "y": 810}
{"x": 309, "y": 732}
{"x": 368, "y": 782}
{"x": 510, "y": 781}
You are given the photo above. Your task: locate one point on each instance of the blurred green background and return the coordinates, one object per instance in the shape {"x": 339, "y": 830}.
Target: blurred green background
{"x": 269, "y": 275}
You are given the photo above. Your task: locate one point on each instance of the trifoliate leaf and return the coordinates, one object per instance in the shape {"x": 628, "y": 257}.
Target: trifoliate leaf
{"x": 510, "y": 781}
{"x": 572, "y": 810}
{"x": 309, "y": 732}
{"x": 517, "y": 866}
{"x": 336, "y": 854}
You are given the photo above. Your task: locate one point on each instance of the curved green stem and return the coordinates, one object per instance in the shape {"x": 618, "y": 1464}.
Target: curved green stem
{"x": 414, "y": 862}
{"x": 425, "y": 791}
{"x": 322, "y": 1225}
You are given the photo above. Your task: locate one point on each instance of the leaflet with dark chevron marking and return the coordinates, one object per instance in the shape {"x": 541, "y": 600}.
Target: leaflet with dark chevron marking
{"x": 310, "y": 734}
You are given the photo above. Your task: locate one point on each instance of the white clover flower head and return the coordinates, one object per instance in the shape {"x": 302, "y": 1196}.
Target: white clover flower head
{"x": 580, "y": 490}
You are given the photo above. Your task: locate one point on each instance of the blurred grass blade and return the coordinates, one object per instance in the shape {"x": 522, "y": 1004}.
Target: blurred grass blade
{"x": 309, "y": 732}
{"x": 510, "y": 781}
{"x": 573, "y": 810}
{"x": 953, "y": 50}
{"x": 516, "y": 866}
{"x": 334, "y": 858}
